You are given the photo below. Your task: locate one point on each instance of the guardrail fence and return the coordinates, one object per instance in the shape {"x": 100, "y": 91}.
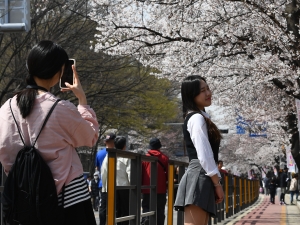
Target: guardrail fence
{"x": 240, "y": 193}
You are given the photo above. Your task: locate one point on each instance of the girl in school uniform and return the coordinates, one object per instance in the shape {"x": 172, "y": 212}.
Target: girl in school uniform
{"x": 200, "y": 188}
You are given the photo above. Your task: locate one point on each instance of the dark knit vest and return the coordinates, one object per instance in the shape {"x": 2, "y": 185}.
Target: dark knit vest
{"x": 190, "y": 148}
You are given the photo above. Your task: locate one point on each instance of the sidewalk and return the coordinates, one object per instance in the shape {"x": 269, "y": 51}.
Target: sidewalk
{"x": 265, "y": 213}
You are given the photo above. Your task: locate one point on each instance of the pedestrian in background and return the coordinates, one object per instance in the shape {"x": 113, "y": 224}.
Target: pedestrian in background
{"x": 266, "y": 181}
{"x": 278, "y": 189}
{"x": 109, "y": 143}
{"x": 162, "y": 179}
{"x": 283, "y": 185}
{"x": 200, "y": 188}
{"x": 122, "y": 179}
{"x": 221, "y": 168}
{"x": 94, "y": 190}
{"x": 88, "y": 179}
{"x": 272, "y": 189}
{"x": 293, "y": 186}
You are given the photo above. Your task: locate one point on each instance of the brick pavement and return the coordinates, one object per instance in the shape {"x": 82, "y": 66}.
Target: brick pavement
{"x": 265, "y": 213}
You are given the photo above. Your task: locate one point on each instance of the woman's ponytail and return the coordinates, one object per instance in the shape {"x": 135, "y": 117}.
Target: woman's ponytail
{"x": 26, "y": 97}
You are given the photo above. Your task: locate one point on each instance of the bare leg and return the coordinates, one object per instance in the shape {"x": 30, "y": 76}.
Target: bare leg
{"x": 194, "y": 215}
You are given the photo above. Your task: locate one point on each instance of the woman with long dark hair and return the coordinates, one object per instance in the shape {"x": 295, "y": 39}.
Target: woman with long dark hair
{"x": 68, "y": 127}
{"x": 200, "y": 188}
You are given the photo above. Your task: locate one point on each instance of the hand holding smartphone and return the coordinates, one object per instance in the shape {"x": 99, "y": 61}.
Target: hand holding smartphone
{"x": 71, "y": 77}
{"x": 68, "y": 75}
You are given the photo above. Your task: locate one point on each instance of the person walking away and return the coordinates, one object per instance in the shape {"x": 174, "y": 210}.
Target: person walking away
{"x": 272, "y": 189}
{"x": 67, "y": 128}
{"x": 283, "y": 185}
{"x": 293, "y": 186}
{"x": 109, "y": 143}
{"x": 122, "y": 179}
{"x": 162, "y": 179}
{"x": 200, "y": 188}
{"x": 94, "y": 190}
{"x": 278, "y": 189}
{"x": 266, "y": 181}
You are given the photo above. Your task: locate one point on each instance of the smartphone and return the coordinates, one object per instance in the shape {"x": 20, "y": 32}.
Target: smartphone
{"x": 68, "y": 75}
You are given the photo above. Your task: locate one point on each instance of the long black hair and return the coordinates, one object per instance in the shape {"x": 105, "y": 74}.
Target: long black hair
{"x": 44, "y": 61}
{"x": 190, "y": 88}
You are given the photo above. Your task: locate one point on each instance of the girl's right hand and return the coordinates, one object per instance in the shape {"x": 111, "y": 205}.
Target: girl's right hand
{"x": 76, "y": 88}
{"x": 219, "y": 194}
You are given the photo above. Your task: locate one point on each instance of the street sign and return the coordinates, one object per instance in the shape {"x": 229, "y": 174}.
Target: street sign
{"x": 14, "y": 16}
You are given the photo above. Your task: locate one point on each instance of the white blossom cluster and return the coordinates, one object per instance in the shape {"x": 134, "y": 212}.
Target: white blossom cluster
{"x": 182, "y": 37}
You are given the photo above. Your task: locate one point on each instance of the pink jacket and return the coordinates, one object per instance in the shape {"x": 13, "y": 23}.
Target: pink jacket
{"x": 68, "y": 127}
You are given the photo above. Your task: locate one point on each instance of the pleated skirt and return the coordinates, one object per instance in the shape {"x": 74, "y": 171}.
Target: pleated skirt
{"x": 195, "y": 188}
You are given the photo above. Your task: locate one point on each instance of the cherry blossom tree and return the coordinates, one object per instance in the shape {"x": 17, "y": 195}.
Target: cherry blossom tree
{"x": 247, "y": 49}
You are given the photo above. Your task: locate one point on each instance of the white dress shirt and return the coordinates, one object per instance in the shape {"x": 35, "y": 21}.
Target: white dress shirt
{"x": 197, "y": 128}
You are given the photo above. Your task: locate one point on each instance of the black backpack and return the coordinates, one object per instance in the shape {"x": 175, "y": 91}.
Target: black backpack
{"x": 29, "y": 195}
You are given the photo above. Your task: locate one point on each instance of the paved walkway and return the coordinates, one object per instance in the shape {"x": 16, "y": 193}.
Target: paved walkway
{"x": 265, "y": 213}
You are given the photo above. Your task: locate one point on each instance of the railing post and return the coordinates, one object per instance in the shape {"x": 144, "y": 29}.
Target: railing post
{"x": 226, "y": 195}
{"x": 235, "y": 195}
{"x": 222, "y": 209}
{"x": 252, "y": 194}
{"x": 219, "y": 218}
{"x": 231, "y": 195}
{"x": 135, "y": 194}
{"x": 111, "y": 187}
{"x": 180, "y": 214}
{"x": 241, "y": 193}
{"x": 238, "y": 200}
{"x": 153, "y": 198}
{"x": 170, "y": 193}
{"x": 249, "y": 193}
{"x": 245, "y": 193}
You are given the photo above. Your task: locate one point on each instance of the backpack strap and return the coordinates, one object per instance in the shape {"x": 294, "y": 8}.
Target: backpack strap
{"x": 45, "y": 121}
{"x": 19, "y": 130}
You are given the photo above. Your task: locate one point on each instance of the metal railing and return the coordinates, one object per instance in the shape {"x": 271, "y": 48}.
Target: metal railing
{"x": 240, "y": 193}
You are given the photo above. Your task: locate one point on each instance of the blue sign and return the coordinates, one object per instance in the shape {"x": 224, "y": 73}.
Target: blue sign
{"x": 240, "y": 130}
{"x": 256, "y": 128}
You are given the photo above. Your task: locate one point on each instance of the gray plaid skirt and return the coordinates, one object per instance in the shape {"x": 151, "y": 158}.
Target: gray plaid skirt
{"x": 195, "y": 188}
